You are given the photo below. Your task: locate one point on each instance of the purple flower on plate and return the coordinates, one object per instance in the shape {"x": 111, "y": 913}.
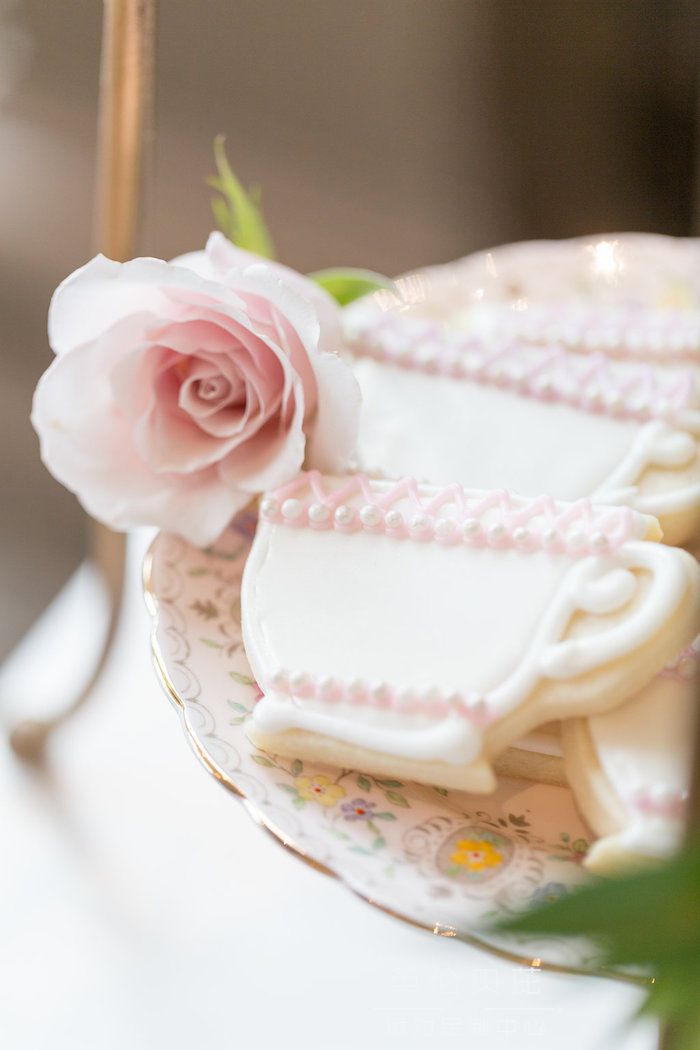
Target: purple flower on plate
{"x": 358, "y": 809}
{"x": 551, "y": 891}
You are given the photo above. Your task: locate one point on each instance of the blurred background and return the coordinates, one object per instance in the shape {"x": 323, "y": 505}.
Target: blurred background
{"x": 384, "y": 134}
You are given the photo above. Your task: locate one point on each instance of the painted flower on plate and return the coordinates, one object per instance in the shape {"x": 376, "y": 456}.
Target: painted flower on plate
{"x": 551, "y": 891}
{"x": 319, "y": 789}
{"x": 476, "y": 855}
{"x": 358, "y": 809}
{"x": 181, "y": 390}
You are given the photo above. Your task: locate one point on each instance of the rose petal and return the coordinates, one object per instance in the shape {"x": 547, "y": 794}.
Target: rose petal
{"x": 86, "y": 444}
{"x": 102, "y": 292}
{"x": 272, "y": 457}
{"x": 134, "y": 375}
{"x": 228, "y": 392}
{"x": 220, "y": 256}
{"x": 333, "y": 442}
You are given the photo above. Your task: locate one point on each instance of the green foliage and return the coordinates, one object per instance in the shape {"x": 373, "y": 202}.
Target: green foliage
{"x": 346, "y": 285}
{"x": 237, "y": 212}
{"x": 648, "y": 919}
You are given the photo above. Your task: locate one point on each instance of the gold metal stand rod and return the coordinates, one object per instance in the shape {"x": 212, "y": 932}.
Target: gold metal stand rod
{"x": 126, "y": 85}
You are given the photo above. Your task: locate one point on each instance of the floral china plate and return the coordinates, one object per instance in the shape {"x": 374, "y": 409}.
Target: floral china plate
{"x": 443, "y": 860}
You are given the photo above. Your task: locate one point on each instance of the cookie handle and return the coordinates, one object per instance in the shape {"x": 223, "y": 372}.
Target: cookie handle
{"x": 603, "y": 586}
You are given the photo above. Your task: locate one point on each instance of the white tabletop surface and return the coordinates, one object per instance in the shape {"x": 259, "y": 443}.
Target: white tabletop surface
{"x": 142, "y": 908}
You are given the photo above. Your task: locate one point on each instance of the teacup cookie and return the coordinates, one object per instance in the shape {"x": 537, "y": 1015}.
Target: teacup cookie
{"x": 629, "y": 295}
{"x": 532, "y": 419}
{"x": 417, "y": 631}
{"x": 629, "y": 768}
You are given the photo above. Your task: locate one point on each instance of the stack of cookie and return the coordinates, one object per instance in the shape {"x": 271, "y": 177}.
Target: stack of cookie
{"x": 489, "y": 591}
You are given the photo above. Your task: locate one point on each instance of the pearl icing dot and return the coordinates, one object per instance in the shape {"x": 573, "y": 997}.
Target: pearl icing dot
{"x": 444, "y": 528}
{"x": 420, "y": 523}
{"x": 343, "y": 514}
{"x": 279, "y": 681}
{"x": 406, "y": 701}
{"x": 394, "y": 519}
{"x": 298, "y": 679}
{"x": 471, "y": 528}
{"x": 357, "y": 691}
{"x": 380, "y": 695}
{"x": 576, "y": 539}
{"x": 318, "y": 513}
{"x": 269, "y": 507}
{"x": 496, "y": 532}
{"x": 292, "y": 509}
{"x": 370, "y": 515}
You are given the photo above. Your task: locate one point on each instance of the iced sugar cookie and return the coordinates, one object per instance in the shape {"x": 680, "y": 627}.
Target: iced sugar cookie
{"x": 529, "y": 418}
{"x": 629, "y": 295}
{"x": 418, "y": 631}
{"x": 630, "y": 768}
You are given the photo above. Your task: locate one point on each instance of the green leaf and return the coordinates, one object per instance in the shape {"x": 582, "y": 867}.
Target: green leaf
{"x": 440, "y": 791}
{"x": 288, "y": 787}
{"x": 397, "y": 799}
{"x": 237, "y": 721}
{"x": 385, "y": 816}
{"x": 379, "y": 842}
{"x": 262, "y": 760}
{"x": 619, "y": 913}
{"x": 242, "y": 679}
{"x": 237, "y": 707}
{"x": 297, "y": 767}
{"x": 237, "y": 212}
{"x": 364, "y": 784}
{"x": 211, "y": 643}
{"x": 390, "y": 783}
{"x": 348, "y": 284}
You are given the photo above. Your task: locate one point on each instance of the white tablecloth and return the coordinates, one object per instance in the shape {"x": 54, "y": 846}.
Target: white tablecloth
{"x": 142, "y": 908}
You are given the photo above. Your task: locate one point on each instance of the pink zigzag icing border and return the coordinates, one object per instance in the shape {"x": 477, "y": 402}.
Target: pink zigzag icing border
{"x": 589, "y": 382}
{"x": 495, "y": 518}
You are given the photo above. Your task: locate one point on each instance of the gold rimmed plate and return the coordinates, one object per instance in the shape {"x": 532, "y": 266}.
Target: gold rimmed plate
{"x": 442, "y": 860}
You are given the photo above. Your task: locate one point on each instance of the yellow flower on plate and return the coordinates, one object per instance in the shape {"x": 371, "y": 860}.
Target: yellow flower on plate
{"x": 476, "y": 854}
{"x": 319, "y": 789}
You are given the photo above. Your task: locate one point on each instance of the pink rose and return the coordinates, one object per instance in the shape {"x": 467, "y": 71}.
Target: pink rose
{"x": 181, "y": 390}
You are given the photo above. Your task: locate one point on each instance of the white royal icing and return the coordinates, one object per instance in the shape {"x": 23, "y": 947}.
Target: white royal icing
{"x": 364, "y": 633}
{"x": 644, "y": 748}
{"x": 531, "y": 419}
